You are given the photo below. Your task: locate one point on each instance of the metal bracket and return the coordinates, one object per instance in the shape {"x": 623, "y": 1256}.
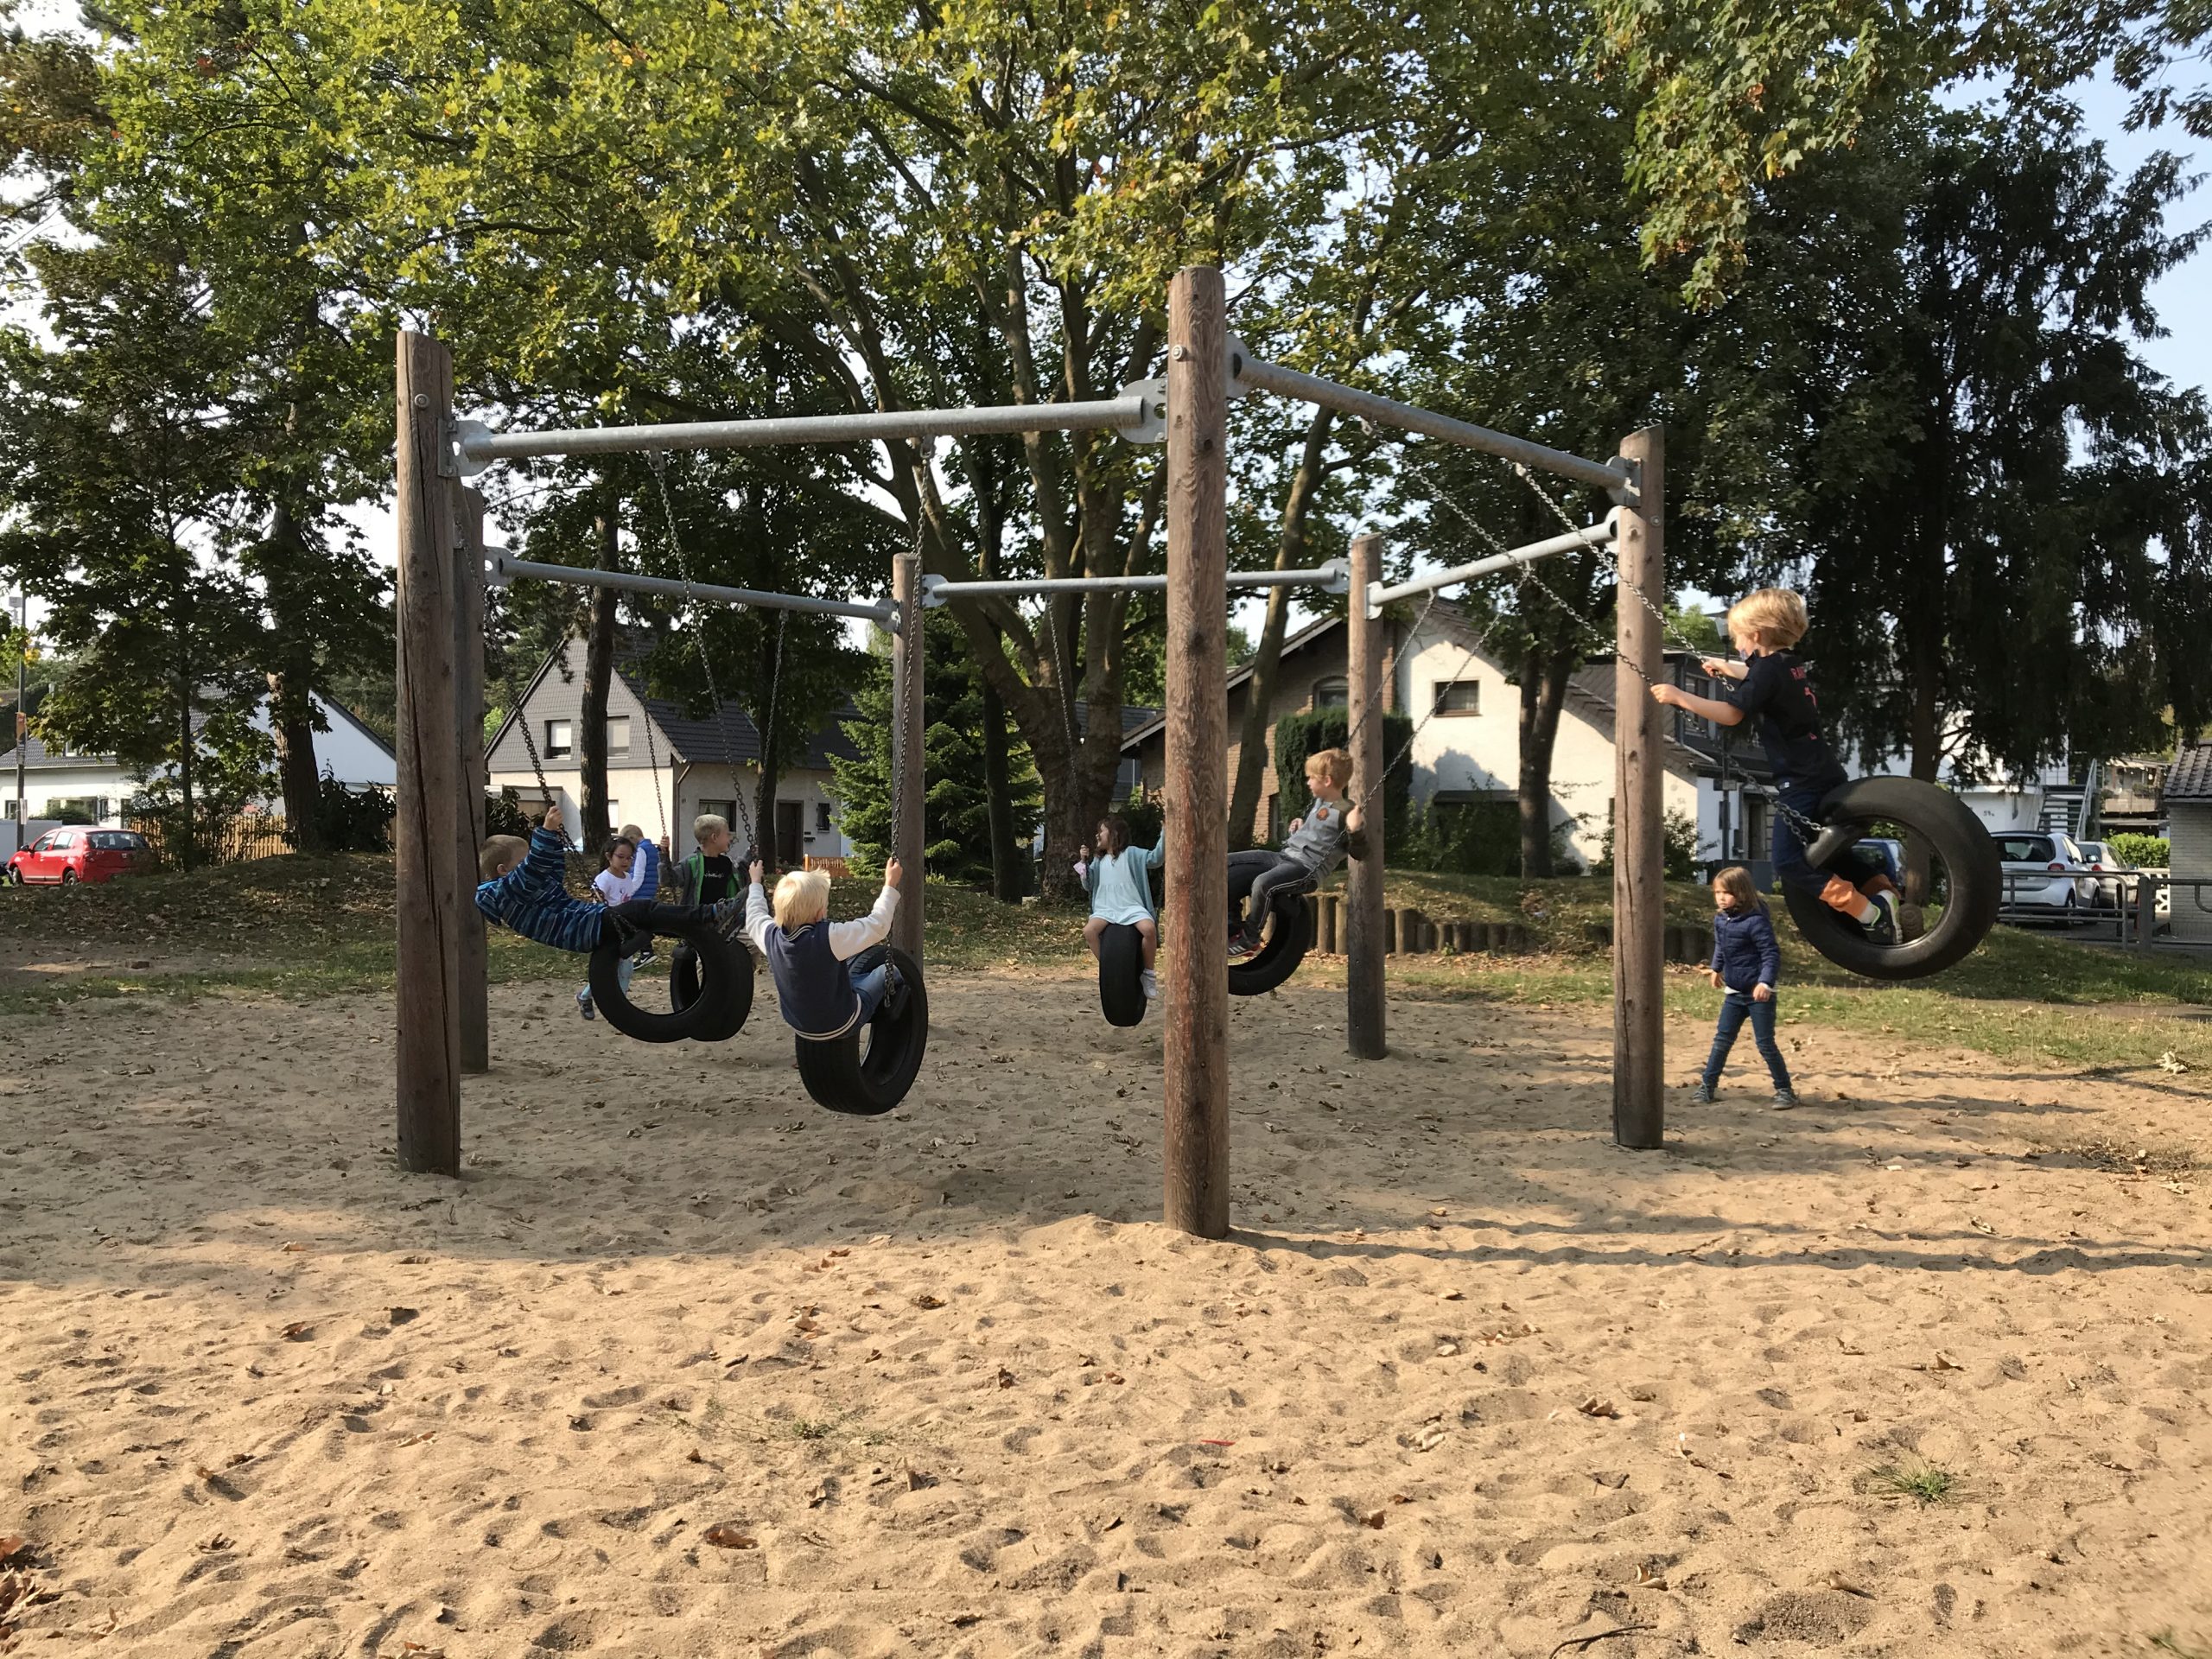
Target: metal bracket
{"x": 448, "y": 452}
{"x": 1236, "y": 385}
{"x": 1339, "y": 580}
{"x": 495, "y": 568}
{"x": 933, "y": 591}
{"x": 1153, "y": 428}
{"x": 1374, "y": 600}
{"x": 1630, "y": 490}
{"x": 466, "y": 433}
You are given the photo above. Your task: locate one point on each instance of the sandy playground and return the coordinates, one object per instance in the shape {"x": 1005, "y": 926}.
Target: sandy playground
{"x": 686, "y": 1366}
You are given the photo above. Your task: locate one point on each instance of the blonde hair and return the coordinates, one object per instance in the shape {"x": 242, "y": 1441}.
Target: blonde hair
{"x": 632, "y": 834}
{"x": 802, "y": 896}
{"x": 709, "y": 824}
{"x": 500, "y": 855}
{"x": 1335, "y": 763}
{"x": 1774, "y": 615}
{"x": 1736, "y": 881}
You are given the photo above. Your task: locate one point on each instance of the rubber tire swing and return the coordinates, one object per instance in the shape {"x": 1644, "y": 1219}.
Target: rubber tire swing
{"x": 1121, "y": 975}
{"x": 1285, "y": 945}
{"x": 1952, "y": 835}
{"x": 716, "y": 1009}
{"x": 843, "y": 1079}
{"x": 683, "y": 978}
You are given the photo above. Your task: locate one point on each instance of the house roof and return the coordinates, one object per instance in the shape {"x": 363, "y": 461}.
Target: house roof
{"x": 36, "y": 755}
{"x": 2189, "y": 777}
{"x": 1154, "y": 721}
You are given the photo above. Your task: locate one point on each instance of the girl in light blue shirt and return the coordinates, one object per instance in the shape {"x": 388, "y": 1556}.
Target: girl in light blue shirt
{"x": 1121, "y": 891}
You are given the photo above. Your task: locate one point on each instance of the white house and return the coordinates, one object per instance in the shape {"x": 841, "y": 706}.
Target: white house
{"x": 2189, "y": 826}
{"x": 98, "y": 786}
{"x": 663, "y": 767}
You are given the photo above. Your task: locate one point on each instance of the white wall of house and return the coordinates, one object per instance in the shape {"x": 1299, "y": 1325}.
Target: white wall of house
{"x": 2189, "y": 829}
{"x": 1481, "y": 749}
{"x": 639, "y": 796}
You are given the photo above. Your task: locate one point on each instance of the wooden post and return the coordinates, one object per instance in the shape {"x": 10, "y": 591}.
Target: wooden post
{"x": 1365, "y": 919}
{"x": 1195, "y": 1091}
{"x": 469, "y": 728}
{"x": 906, "y": 732}
{"x": 1639, "y": 901}
{"x": 426, "y": 840}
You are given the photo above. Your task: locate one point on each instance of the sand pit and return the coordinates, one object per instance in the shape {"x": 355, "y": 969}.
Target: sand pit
{"x": 686, "y": 1366}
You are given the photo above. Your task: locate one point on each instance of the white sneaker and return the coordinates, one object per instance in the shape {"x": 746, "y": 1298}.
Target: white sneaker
{"x": 1150, "y": 981}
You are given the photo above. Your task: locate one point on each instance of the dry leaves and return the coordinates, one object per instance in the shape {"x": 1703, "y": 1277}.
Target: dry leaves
{"x": 925, "y": 1300}
{"x": 1942, "y": 1362}
{"x": 1005, "y": 1377}
{"x": 11, "y": 1546}
{"x": 298, "y": 1331}
{"x": 730, "y": 1538}
{"x": 1374, "y": 1519}
{"x": 1649, "y": 1577}
{"x": 1594, "y": 1407}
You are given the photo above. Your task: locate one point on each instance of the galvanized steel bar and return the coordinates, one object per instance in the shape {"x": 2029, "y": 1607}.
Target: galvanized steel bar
{"x": 501, "y": 567}
{"x": 479, "y": 446}
{"x": 1594, "y": 535}
{"x": 1313, "y": 389}
{"x": 1333, "y": 577}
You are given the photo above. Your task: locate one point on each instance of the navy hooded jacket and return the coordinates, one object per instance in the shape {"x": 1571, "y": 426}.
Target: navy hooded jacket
{"x": 1744, "y": 951}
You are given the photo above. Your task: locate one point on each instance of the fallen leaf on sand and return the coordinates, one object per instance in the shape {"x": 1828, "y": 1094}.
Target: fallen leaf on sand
{"x": 1430, "y": 1437}
{"x": 212, "y": 1545}
{"x": 1113, "y": 1377}
{"x": 1940, "y": 1363}
{"x": 916, "y": 1479}
{"x": 927, "y": 1300}
{"x": 1981, "y": 1226}
{"x": 1594, "y": 1406}
{"x": 427, "y": 1435}
{"x": 295, "y": 1249}
{"x": 11, "y": 1546}
{"x": 1373, "y": 1519}
{"x": 1455, "y": 1295}
{"x": 1006, "y": 1377}
{"x": 694, "y": 1456}
{"x": 1848, "y": 1347}
{"x": 298, "y": 1331}
{"x": 1837, "y": 1582}
{"x": 2173, "y": 1063}
{"x": 1220, "y": 1443}
{"x": 1445, "y": 1349}
{"x": 1649, "y": 1577}
{"x": 730, "y": 1538}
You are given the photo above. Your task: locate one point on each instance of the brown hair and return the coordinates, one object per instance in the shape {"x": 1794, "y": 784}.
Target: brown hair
{"x": 1117, "y": 833}
{"x": 1737, "y": 881}
{"x": 500, "y": 855}
{"x": 1337, "y": 763}
{"x": 1774, "y": 615}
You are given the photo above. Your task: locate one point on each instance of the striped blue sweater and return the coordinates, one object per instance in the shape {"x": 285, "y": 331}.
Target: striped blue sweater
{"x": 533, "y": 899}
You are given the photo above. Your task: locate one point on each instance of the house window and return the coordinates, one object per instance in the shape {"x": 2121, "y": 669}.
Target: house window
{"x": 725, "y": 811}
{"x": 1457, "y": 697}
{"x": 1756, "y": 832}
{"x": 618, "y": 733}
{"x": 1335, "y": 692}
{"x": 822, "y": 816}
{"x": 560, "y": 737}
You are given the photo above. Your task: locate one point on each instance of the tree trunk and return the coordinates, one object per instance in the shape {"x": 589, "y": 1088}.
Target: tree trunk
{"x": 1544, "y": 675}
{"x": 1009, "y": 880}
{"x": 291, "y": 707}
{"x": 599, "y": 677}
{"x": 1267, "y": 661}
{"x": 189, "y": 853}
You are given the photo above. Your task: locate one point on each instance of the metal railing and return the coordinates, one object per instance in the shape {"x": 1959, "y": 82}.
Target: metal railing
{"x": 2131, "y": 907}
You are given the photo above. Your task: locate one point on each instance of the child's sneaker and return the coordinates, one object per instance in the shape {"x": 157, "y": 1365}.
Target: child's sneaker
{"x": 1886, "y": 928}
{"x": 1784, "y": 1099}
{"x": 1150, "y": 981}
{"x": 644, "y": 957}
{"x": 1702, "y": 1095}
{"x": 583, "y": 1004}
{"x": 726, "y": 909}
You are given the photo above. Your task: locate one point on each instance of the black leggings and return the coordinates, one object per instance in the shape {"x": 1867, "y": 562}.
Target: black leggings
{"x": 630, "y": 925}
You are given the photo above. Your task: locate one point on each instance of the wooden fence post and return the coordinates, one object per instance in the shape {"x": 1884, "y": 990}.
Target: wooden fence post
{"x": 1639, "y": 866}
{"x": 426, "y": 840}
{"x": 906, "y": 655}
{"x": 1365, "y": 919}
{"x": 468, "y": 729}
{"x": 1195, "y": 1088}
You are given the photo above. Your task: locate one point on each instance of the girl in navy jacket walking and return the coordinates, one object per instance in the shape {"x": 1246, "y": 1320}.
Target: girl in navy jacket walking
{"x": 1746, "y": 966}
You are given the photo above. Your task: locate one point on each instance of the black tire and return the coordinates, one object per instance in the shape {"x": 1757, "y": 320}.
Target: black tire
{"x": 1289, "y": 934}
{"x": 684, "y": 989}
{"x": 1120, "y": 969}
{"x": 1955, "y": 838}
{"x": 844, "y": 1079}
{"x": 68, "y": 878}
{"x": 716, "y": 1012}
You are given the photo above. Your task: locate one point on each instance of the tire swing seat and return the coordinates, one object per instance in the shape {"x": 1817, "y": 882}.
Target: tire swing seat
{"x": 1289, "y": 932}
{"x": 1121, "y": 975}
{"x": 687, "y": 972}
{"x": 1935, "y": 819}
{"x": 866, "y": 1083}
{"x": 712, "y": 1009}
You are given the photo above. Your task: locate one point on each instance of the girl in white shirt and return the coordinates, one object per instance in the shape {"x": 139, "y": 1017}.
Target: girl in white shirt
{"x": 618, "y": 883}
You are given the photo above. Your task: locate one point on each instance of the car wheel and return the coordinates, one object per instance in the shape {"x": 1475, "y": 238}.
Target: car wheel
{"x": 68, "y": 878}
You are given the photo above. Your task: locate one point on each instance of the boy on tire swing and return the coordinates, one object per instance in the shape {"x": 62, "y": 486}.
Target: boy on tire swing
{"x": 811, "y": 956}
{"x": 526, "y": 889}
{"x": 1776, "y": 690}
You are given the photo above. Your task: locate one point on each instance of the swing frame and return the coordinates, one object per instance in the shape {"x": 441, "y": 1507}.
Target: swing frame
{"x": 442, "y": 1023}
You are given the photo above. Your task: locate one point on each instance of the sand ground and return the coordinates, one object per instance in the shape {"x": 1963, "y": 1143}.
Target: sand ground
{"x": 685, "y": 1366}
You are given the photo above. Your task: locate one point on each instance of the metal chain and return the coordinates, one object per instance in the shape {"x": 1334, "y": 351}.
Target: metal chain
{"x": 1067, "y": 681}
{"x": 1621, "y": 578}
{"x": 657, "y": 460}
{"x": 652, "y": 771}
{"x": 913, "y": 617}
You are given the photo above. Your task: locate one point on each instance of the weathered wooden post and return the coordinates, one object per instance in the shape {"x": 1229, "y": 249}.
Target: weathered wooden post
{"x": 1365, "y": 919}
{"x": 907, "y": 729}
{"x": 1195, "y": 1088}
{"x": 426, "y": 840}
{"x": 468, "y": 729}
{"x": 1639, "y": 899}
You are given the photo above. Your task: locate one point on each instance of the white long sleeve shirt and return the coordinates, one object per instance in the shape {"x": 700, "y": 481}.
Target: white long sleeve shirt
{"x": 847, "y": 939}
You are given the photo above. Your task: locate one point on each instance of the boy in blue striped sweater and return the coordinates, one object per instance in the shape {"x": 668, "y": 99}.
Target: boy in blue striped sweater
{"x": 525, "y": 889}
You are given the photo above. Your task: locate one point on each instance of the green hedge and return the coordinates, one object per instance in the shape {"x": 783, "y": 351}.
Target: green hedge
{"x": 2148, "y": 852}
{"x": 1299, "y": 736}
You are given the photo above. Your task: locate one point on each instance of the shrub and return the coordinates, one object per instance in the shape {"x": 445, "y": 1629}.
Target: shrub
{"x": 351, "y": 821}
{"x": 502, "y": 814}
{"x": 2151, "y": 852}
{"x": 1678, "y": 835}
{"x": 1299, "y": 736}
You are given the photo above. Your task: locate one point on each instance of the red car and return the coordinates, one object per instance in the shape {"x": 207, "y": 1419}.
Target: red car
{"x": 68, "y": 857}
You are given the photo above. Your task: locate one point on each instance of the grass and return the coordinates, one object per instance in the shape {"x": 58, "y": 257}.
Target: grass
{"x": 1922, "y": 1482}
{"x": 2167, "y": 1642}
{"x": 294, "y": 927}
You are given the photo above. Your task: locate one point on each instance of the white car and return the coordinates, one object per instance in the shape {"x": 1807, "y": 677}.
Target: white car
{"x": 2043, "y": 870}
{"x": 2109, "y": 866}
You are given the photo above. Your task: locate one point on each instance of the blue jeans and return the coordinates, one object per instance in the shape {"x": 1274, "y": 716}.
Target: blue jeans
{"x": 1735, "y": 1009}
{"x": 870, "y": 987}
{"x": 1791, "y": 867}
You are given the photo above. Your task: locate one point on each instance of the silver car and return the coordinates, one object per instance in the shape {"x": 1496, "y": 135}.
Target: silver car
{"x": 2043, "y": 871}
{"x": 2109, "y": 866}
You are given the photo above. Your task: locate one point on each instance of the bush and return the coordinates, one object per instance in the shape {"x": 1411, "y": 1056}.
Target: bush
{"x": 2149, "y": 852}
{"x": 503, "y": 814}
{"x": 351, "y": 822}
{"x": 1678, "y": 835}
{"x": 1299, "y": 736}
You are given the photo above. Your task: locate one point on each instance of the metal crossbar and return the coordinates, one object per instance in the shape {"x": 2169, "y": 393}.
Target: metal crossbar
{"x": 1411, "y": 417}
{"x": 501, "y": 567}
{"x": 1598, "y": 534}
{"x": 1334, "y": 577}
{"x": 480, "y": 446}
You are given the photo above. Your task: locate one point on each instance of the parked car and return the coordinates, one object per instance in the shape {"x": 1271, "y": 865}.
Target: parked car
{"x": 64, "y": 857}
{"x": 2110, "y": 892}
{"x": 2043, "y": 870}
{"x": 1891, "y": 853}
